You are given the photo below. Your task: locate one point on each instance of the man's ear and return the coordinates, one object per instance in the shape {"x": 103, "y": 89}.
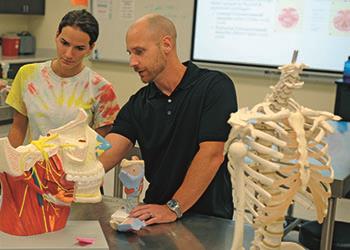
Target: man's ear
{"x": 167, "y": 43}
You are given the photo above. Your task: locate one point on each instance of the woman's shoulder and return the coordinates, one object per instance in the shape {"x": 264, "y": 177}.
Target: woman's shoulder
{"x": 96, "y": 78}
{"x": 30, "y": 68}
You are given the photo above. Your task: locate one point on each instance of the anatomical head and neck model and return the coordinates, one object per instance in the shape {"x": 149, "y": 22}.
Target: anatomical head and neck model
{"x": 277, "y": 155}
{"x": 40, "y": 180}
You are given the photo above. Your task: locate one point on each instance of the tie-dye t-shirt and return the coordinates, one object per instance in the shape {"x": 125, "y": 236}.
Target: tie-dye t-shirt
{"x": 50, "y": 101}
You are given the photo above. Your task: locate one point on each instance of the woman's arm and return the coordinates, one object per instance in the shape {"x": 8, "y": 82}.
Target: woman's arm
{"x": 18, "y": 129}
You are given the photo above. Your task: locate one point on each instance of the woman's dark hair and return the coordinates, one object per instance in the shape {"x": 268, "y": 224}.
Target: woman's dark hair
{"x": 82, "y": 19}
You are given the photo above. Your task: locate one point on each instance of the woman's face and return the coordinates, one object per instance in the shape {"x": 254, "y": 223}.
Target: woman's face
{"x": 72, "y": 46}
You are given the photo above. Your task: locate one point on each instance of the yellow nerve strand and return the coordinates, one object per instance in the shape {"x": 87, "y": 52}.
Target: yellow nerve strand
{"x": 24, "y": 198}
{"x": 43, "y": 144}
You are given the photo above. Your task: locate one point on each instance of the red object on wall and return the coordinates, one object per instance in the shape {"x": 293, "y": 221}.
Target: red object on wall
{"x": 79, "y": 2}
{"x": 10, "y": 45}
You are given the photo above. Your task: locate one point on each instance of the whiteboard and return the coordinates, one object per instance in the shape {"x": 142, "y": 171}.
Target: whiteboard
{"x": 115, "y": 16}
{"x": 264, "y": 34}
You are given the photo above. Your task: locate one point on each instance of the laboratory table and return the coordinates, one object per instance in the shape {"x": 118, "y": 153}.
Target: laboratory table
{"x": 193, "y": 231}
{"x": 339, "y": 144}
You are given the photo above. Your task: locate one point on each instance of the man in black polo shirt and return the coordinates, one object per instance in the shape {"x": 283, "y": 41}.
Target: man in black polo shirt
{"x": 180, "y": 123}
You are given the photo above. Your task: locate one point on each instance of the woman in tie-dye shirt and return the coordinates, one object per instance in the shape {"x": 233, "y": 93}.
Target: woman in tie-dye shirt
{"x": 47, "y": 95}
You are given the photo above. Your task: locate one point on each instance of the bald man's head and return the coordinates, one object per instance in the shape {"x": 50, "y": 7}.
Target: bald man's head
{"x": 158, "y": 25}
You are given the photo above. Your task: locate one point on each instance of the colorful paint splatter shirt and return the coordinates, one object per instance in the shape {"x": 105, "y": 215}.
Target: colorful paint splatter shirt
{"x": 49, "y": 101}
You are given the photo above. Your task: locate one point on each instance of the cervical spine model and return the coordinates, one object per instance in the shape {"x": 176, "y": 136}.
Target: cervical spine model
{"x": 276, "y": 156}
{"x": 40, "y": 180}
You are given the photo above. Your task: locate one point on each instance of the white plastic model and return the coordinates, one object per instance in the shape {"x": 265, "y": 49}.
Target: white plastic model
{"x": 277, "y": 155}
{"x": 77, "y": 146}
{"x": 78, "y": 143}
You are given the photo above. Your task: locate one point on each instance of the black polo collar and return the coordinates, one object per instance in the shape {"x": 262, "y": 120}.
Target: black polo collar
{"x": 187, "y": 80}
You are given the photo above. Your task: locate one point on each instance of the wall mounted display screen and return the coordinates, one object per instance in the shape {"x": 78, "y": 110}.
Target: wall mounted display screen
{"x": 264, "y": 33}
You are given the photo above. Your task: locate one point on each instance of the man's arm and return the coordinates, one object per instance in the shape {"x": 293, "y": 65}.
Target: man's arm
{"x": 103, "y": 131}
{"x": 201, "y": 172}
{"x": 18, "y": 129}
{"x": 120, "y": 147}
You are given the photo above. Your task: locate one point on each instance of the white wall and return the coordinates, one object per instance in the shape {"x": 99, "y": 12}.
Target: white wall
{"x": 13, "y": 23}
{"x": 315, "y": 94}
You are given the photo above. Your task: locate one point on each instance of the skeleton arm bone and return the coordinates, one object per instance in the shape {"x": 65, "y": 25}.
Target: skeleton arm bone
{"x": 237, "y": 151}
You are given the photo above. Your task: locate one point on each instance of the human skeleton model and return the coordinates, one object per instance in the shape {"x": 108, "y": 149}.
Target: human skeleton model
{"x": 131, "y": 175}
{"x": 40, "y": 180}
{"x": 277, "y": 155}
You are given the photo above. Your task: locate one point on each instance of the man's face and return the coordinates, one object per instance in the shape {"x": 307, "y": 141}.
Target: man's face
{"x": 146, "y": 55}
{"x": 72, "y": 46}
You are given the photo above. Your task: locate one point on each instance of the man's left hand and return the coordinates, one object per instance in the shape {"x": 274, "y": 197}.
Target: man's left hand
{"x": 153, "y": 213}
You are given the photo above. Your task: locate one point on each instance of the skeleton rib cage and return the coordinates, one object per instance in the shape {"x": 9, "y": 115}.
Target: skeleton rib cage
{"x": 277, "y": 155}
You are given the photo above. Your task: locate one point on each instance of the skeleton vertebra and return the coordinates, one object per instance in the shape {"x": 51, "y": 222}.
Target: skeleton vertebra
{"x": 276, "y": 156}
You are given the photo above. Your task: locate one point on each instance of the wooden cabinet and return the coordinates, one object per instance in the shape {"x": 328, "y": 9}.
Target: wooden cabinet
{"x": 26, "y": 7}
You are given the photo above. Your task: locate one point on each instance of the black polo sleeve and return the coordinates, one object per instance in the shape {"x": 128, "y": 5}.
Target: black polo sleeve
{"x": 123, "y": 124}
{"x": 220, "y": 101}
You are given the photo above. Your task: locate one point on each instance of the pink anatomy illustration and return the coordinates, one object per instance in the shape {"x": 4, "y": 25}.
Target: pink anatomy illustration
{"x": 288, "y": 17}
{"x": 342, "y": 20}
